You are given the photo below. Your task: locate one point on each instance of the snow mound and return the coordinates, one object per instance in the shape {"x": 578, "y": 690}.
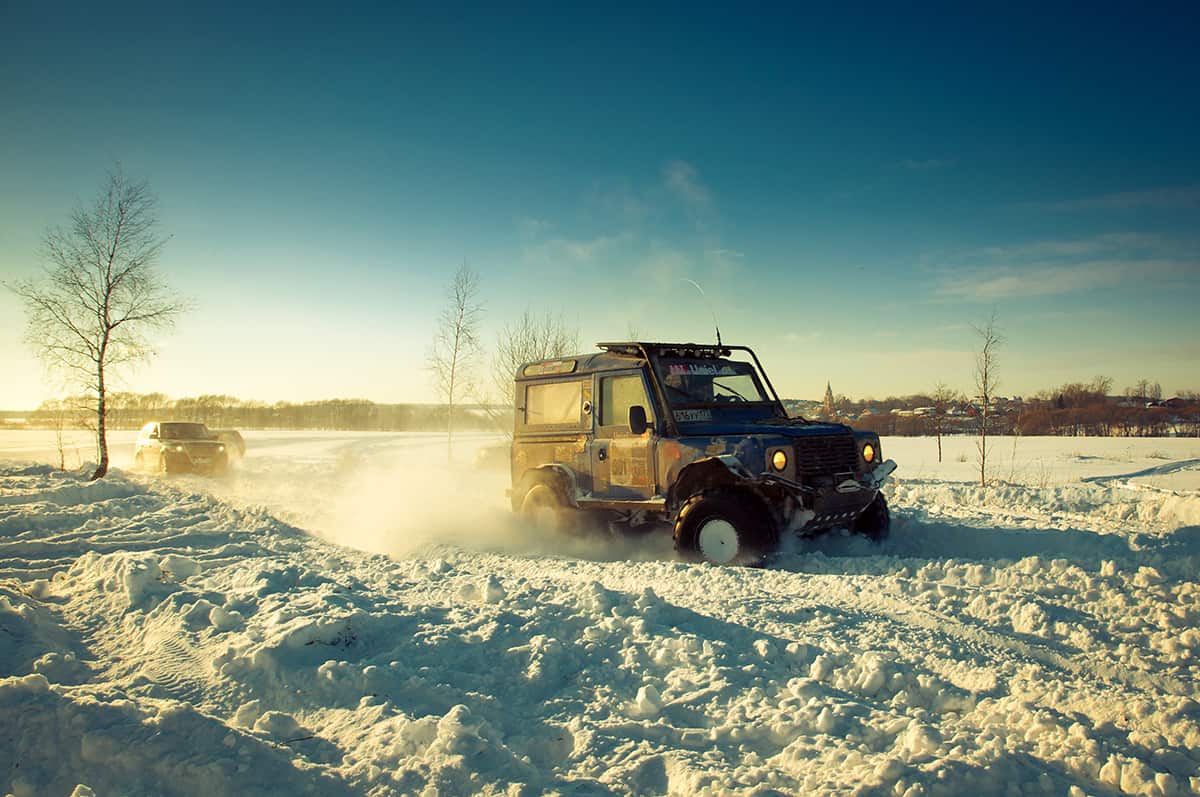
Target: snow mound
{"x": 162, "y": 637}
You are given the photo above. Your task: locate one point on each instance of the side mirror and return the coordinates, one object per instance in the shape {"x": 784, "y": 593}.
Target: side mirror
{"x": 637, "y": 419}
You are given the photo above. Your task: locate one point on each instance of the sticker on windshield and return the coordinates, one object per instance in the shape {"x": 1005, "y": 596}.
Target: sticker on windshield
{"x": 693, "y": 416}
{"x": 701, "y": 369}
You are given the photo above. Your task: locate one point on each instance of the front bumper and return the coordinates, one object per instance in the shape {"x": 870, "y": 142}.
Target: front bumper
{"x": 816, "y": 508}
{"x": 185, "y": 462}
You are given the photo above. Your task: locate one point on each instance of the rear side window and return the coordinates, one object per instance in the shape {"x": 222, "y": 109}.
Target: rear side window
{"x": 554, "y": 404}
{"x": 618, "y": 394}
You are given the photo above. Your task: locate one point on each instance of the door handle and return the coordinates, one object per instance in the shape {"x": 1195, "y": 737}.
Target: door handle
{"x": 602, "y": 454}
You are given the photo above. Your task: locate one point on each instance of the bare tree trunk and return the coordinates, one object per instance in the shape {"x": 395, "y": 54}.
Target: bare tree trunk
{"x": 450, "y": 405}
{"x": 101, "y": 426}
{"x": 60, "y": 418}
{"x": 456, "y": 343}
{"x": 983, "y": 449}
{"x": 990, "y": 339}
{"x": 99, "y": 294}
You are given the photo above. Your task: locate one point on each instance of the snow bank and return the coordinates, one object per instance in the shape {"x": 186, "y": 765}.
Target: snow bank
{"x": 183, "y": 637}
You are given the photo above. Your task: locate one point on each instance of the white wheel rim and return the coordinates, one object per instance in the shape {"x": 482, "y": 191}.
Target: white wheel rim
{"x": 718, "y": 541}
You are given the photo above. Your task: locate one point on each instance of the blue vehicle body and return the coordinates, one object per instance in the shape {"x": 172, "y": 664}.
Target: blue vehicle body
{"x": 643, "y": 431}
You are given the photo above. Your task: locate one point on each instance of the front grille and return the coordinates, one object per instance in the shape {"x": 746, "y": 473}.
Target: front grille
{"x": 826, "y": 455}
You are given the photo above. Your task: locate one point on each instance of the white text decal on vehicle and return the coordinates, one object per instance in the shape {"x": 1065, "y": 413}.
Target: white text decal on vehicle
{"x": 693, "y": 416}
{"x": 701, "y": 369}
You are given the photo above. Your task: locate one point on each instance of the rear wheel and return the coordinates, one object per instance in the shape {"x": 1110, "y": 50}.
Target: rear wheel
{"x": 725, "y": 528}
{"x": 544, "y": 508}
{"x": 875, "y": 521}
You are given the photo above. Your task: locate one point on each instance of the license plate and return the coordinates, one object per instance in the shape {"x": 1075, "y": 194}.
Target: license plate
{"x": 201, "y": 460}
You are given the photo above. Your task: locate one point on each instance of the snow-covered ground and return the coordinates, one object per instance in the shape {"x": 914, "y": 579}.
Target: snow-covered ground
{"x": 347, "y": 614}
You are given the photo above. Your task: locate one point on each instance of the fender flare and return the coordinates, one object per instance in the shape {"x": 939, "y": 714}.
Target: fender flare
{"x": 718, "y": 471}
{"x": 564, "y": 476}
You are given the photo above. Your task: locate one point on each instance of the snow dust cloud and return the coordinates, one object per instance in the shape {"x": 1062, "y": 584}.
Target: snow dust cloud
{"x": 400, "y": 495}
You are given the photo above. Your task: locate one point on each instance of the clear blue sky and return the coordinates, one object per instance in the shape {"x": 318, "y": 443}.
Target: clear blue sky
{"x": 852, "y": 189}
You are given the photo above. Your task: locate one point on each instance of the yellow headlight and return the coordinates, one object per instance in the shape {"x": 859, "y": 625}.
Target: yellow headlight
{"x": 869, "y": 452}
{"x": 779, "y": 460}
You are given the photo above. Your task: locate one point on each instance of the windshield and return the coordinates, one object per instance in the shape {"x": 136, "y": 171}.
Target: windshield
{"x": 705, "y": 382}
{"x": 184, "y": 431}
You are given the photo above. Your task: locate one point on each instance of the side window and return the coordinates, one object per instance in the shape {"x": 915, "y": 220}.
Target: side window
{"x": 554, "y": 404}
{"x": 618, "y": 394}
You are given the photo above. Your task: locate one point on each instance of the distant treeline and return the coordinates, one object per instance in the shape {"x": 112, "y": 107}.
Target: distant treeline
{"x": 1074, "y": 409}
{"x": 132, "y": 410}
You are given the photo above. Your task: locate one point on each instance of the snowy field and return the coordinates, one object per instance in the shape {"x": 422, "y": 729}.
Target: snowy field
{"x": 346, "y": 614}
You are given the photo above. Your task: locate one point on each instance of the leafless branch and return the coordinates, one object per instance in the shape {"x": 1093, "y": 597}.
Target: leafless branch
{"x": 99, "y": 295}
{"x": 986, "y": 359}
{"x": 455, "y": 350}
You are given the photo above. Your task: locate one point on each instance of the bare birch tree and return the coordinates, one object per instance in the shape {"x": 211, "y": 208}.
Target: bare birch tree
{"x": 100, "y": 296}
{"x": 990, "y": 340}
{"x": 456, "y": 344}
{"x": 531, "y": 337}
{"x": 943, "y": 397}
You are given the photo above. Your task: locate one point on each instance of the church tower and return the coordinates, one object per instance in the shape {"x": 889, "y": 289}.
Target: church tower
{"x": 827, "y": 410}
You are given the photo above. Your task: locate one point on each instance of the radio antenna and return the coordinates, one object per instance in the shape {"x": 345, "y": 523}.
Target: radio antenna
{"x": 712, "y": 312}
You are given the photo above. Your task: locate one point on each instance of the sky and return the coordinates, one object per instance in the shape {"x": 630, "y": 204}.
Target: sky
{"x": 853, "y": 189}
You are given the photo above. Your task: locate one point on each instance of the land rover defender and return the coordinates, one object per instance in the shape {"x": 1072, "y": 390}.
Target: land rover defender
{"x": 693, "y": 437}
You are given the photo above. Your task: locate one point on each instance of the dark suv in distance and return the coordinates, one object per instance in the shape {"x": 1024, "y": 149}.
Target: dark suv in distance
{"x": 179, "y": 447}
{"x": 693, "y": 437}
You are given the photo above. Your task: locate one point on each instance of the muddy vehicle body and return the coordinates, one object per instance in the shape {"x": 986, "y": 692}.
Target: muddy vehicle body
{"x": 693, "y": 437}
{"x": 179, "y": 447}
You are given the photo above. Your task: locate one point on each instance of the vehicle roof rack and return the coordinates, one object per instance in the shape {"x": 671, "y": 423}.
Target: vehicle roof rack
{"x": 640, "y": 349}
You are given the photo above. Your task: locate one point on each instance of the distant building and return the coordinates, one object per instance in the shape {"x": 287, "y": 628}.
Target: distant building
{"x": 827, "y": 410}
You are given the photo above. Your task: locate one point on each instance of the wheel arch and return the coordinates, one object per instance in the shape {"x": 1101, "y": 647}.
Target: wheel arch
{"x": 711, "y": 473}
{"x": 560, "y": 477}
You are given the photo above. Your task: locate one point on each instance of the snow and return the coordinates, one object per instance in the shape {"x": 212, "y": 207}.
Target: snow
{"x": 348, "y": 614}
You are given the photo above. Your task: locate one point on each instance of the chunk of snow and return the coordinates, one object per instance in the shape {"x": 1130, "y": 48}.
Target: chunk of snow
{"x": 648, "y": 701}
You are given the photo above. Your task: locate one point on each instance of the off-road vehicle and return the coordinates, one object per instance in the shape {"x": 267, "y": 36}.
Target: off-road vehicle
{"x": 179, "y": 447}
{"x": 691, "y": 436}
{"x": 235, "y": 444}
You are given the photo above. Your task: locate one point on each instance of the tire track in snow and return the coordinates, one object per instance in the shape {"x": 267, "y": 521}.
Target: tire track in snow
{"x": 987, "y": 642}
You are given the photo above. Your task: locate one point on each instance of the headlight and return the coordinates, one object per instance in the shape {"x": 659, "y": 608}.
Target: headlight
{"x": 178, "y": 448}
{"x": 869, "y": 452}
{"x": 220, "y": 448}
{"x": 779, "y": 460}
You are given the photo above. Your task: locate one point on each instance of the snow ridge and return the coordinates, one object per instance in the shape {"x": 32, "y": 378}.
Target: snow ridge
{"x": 160, "y": 639}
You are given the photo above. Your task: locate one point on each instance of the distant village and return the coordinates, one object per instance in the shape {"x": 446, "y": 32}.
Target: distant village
{"x": 1072, "y": 410}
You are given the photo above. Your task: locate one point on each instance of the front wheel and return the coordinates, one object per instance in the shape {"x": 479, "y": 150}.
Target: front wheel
{"x": 875, "y": 521}
{"x": 725, "y": 528}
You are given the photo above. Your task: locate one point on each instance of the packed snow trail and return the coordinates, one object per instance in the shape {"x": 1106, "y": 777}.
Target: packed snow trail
{"x": 177, "y": 637}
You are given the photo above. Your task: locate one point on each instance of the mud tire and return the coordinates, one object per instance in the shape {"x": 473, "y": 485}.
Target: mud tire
{"x": 725, "y": 527}
{"x": 544, "y": 508}
{"x": 875, "y": 521}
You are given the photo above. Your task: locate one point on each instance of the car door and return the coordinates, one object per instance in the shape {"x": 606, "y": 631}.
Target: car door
{"x": 622, "y": 462}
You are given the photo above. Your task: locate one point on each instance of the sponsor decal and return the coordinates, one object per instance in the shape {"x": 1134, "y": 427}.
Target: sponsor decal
{"x": 701, "y": 369}
{"x": 693, "y": 416}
